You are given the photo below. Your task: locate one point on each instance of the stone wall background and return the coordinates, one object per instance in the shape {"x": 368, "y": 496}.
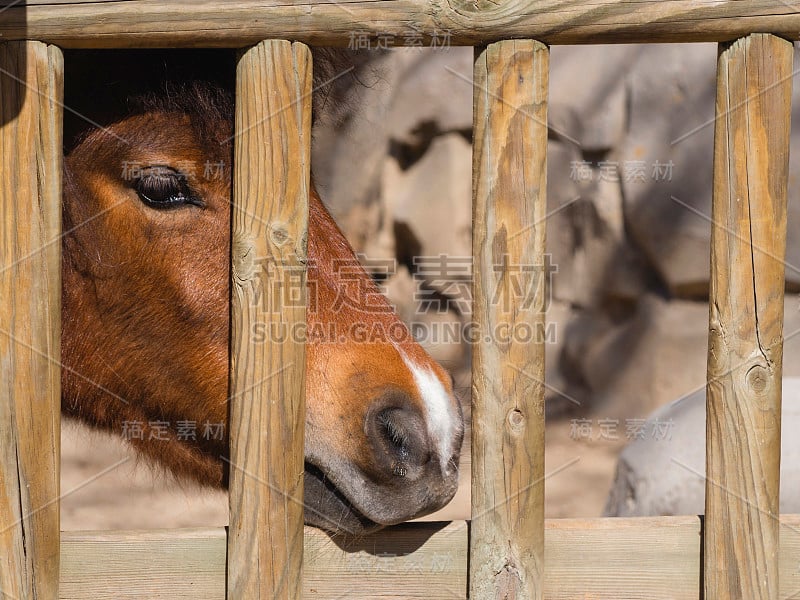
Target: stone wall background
{"x": 629, "y": 203}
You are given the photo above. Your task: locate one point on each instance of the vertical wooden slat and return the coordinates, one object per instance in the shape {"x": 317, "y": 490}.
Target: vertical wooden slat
{"x": 751, "y": 159}
{"x": 509, "y": 174}
{"x": 270, "y": 214}
{"x": 31, "y": 91}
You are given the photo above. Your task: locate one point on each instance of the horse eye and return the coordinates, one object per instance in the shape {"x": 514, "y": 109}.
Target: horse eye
{"x": 164, "y": 187}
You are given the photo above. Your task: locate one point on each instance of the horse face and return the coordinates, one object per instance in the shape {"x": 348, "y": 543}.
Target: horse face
{"x": 382, "y": 426}
{"x": 146, "y": 330}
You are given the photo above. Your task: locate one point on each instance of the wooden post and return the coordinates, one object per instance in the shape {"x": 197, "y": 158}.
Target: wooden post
{"x": 745, "y": 347}
{"x": 31, "y": 92}
{"x": 270, "y": 215}
{"x": 509, "y": 176}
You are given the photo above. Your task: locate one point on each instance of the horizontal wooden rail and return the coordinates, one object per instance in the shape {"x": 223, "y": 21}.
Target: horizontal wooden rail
{"x": 413, "y": 561}
{"x": 641, "y": 558}
{"x": 240, "y": 23}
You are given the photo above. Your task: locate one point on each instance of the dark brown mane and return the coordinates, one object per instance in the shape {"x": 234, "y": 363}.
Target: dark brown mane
{"x": 206, "y": 103}
{"x": 106, "y": 86}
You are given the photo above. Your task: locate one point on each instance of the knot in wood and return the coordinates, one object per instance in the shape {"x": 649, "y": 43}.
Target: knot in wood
{"x": 279, "y": 234}
{"x": 516, "y": 420}
{"x": 757, "y": 378}
{"x": 244, "y": 264}
{"x": 485, "y": 8}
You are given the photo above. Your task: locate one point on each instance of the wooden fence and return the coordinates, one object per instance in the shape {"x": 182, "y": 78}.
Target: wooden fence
{"x": 742, "y": 549}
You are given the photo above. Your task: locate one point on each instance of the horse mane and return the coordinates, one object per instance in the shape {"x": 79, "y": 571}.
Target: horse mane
{"x": 102, "y": 87}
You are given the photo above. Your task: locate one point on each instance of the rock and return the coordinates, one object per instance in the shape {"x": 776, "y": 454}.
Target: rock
{"x": 361, "y": 223}
{"x": 409, "y": 96}
{"x": 632, "y": 368}
{"x": 562, "y": 193}
{"x": 666, "y": 159}
{"x": 348, "y": 153}
{"x": 606, "y": 196}
{"x": 440, "y": 334}
{"x": 660, "y": 354}
{"x": 564, "y": 124}
{"x": 793, "y": 217}
{"x": 586, "y": 235}
{"x": 556, "y": 319}
{"x": 435, "y": 88}
{"x": 627, "y": 279}
{"x": 791, "y": 336}
{"x": 587, "y": 94}
{"x": 663, "y": 473}
{"x": 434, "y": 198}
{"x": 583, "y": 231}
{"x": 579, "y": 333}
{"x": 671, "y": 128}
{"x": 400, "y": 290}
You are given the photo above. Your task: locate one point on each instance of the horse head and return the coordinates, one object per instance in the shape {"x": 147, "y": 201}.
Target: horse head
{"x": 145, "y": 325}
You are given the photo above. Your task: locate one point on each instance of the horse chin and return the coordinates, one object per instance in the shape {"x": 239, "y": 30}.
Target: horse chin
{"x": 328, "y": 508}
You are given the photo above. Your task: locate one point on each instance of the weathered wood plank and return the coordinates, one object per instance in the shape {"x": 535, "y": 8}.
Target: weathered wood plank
{"x": 268, "y": 245}
{"x": 421, "y": 561}
{"x": 131, "y": 565}
{"x": 31, "y": 90}
{"x": 413, "y": 561}
{"x": 636, "y": 559}
{"x": 239, "y": 23}
{"x": 509, "y": 204}
{"x": 652, "y": 558}
{"x": 745, "y": 347}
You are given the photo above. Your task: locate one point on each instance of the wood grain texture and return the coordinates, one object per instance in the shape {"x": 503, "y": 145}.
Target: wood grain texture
{"x": 748, "y": 242}
{"x": 651, "y": 558}
{"x": 238, "y": 23}
{"x": 130, "y": 565}
{"x": 269, "y": 234}
{"x": 509, "y": 203}
{"x": 31, "y": 91}
{"x": 416, "y": 561}
{"x": 602, "y": 559}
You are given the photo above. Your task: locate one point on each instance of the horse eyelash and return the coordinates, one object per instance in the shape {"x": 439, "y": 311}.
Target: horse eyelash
{"x": 155, "y": 170}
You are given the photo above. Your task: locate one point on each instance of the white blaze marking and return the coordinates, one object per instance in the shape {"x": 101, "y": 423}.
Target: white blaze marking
{"x": 442, "y": 420}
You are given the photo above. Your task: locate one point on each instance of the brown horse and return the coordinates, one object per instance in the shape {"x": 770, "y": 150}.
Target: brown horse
{"x": 147, "y": 192}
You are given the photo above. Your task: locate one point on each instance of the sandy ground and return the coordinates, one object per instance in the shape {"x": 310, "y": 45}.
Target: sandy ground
{"x": 106, "y": 487}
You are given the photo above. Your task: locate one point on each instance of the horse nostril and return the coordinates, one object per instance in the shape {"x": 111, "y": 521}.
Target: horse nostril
{"x": 393, "y": 430}
{"x": 399, "y": 439}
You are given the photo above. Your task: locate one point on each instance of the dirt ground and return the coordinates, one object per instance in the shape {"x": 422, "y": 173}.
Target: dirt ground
{"x": 104, "y": 486}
